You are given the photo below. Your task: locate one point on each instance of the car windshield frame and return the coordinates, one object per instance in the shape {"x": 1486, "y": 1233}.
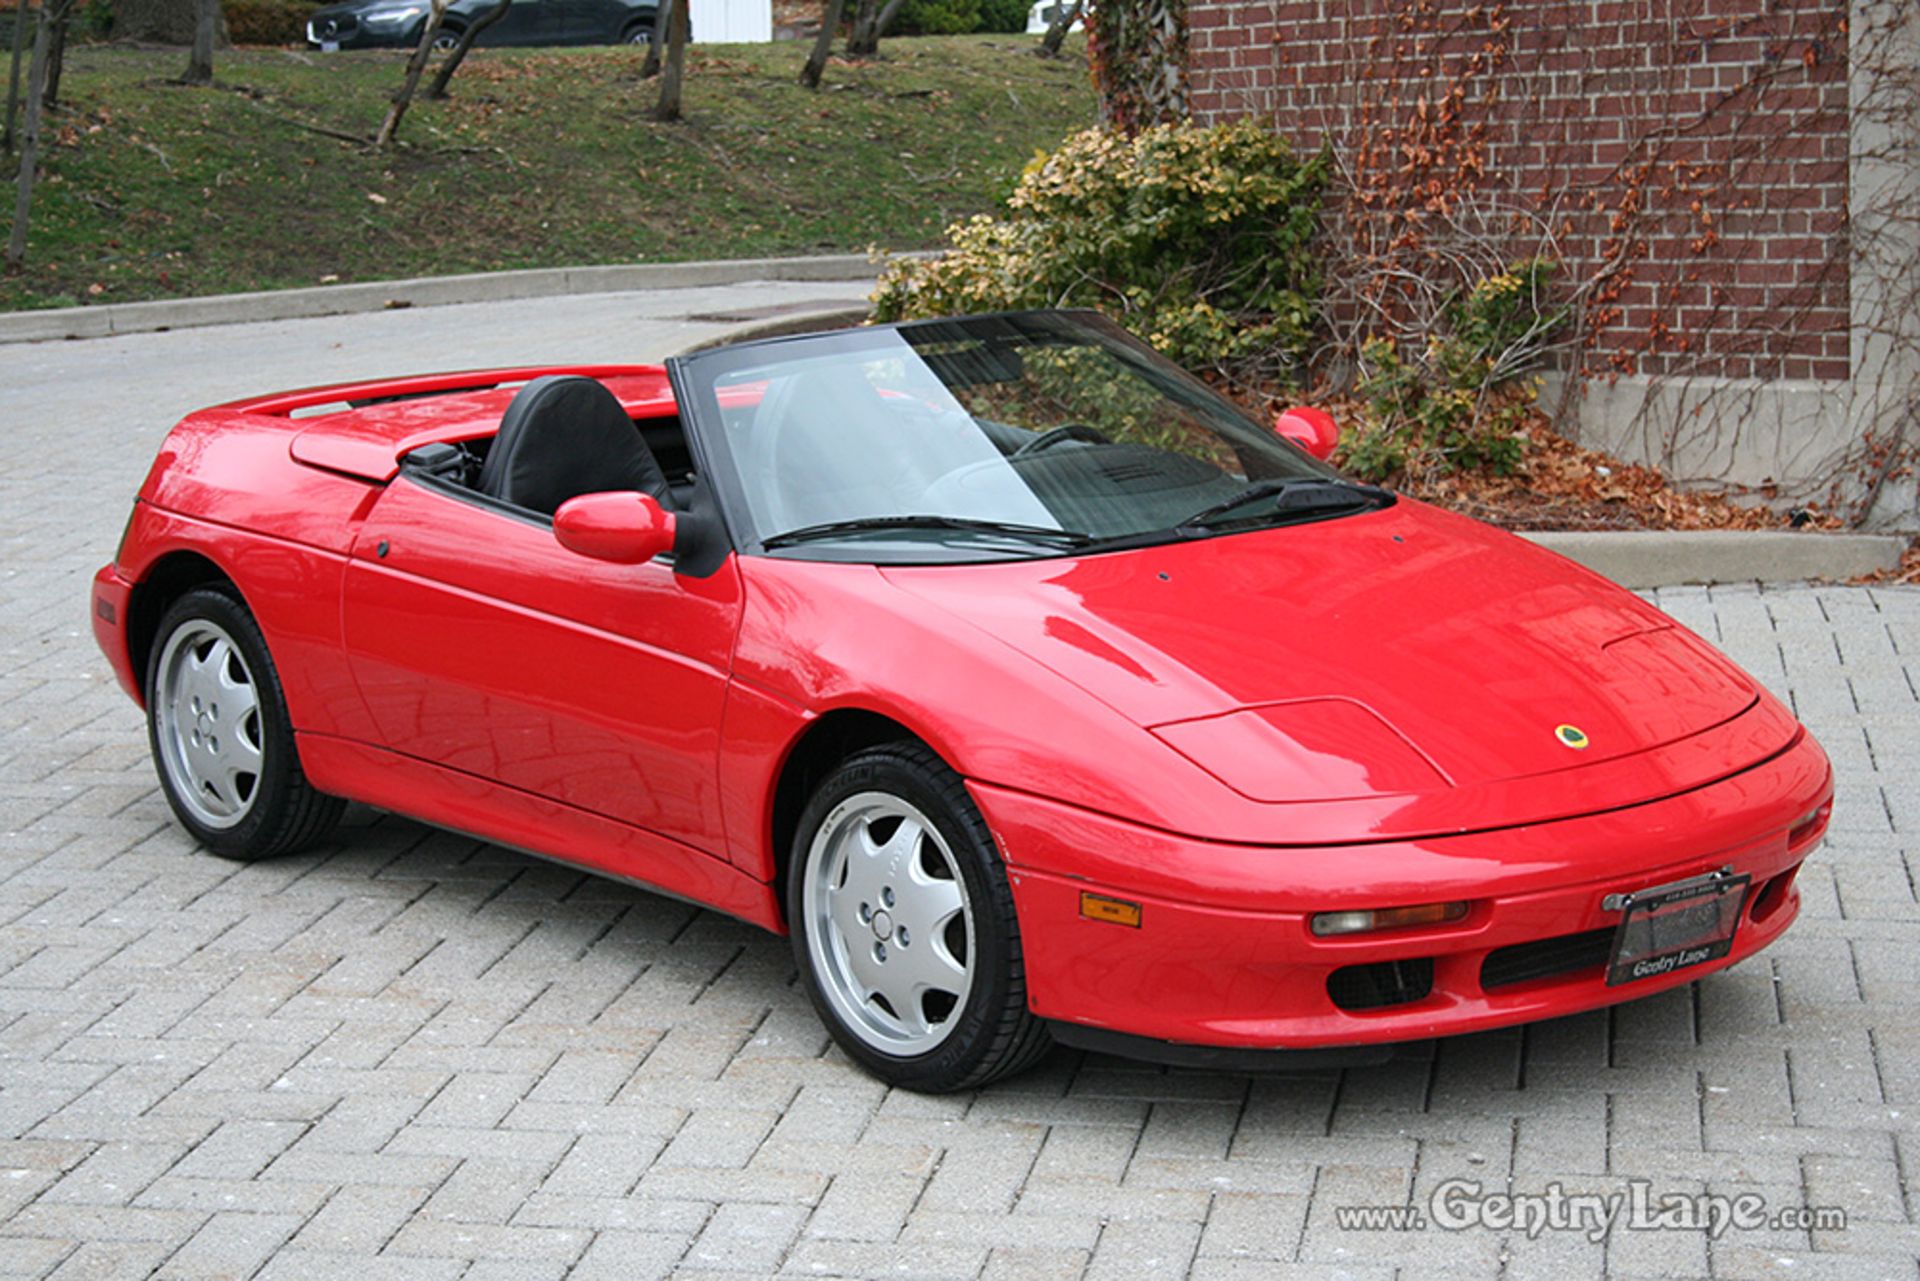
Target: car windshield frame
{"x": 897, "y": 537}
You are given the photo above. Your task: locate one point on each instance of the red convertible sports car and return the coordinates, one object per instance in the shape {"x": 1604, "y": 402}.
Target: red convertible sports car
{"x": 1033, "y": 689}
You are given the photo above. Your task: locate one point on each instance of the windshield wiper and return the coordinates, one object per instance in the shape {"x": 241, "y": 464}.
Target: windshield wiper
{"x": 881, "y": 524}
{"x": 1299, "y": 497}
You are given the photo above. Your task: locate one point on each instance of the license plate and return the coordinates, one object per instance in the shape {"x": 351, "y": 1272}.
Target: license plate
{"x": 1677, "y": 926}
{"x": 329, "y": 46}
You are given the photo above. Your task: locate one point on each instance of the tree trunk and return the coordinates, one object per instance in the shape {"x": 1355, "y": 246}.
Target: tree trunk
{"x": 863, "y": 40}
{"x": 884, "y": 23}
{"x": 415, "y": 65}
{"x": 13, "y": 72}
{"x": 56, "y": 58}
{"x": 51, "y": 14}
{"x": 674, "y": 68}
{"x": 1063, "y": 20}
{"x": 438, "y": 89}
{"x": 200, "y": 61}
{"x": 650, "y": 65}
{"x": 823, "y": 44}
{"x": 156, "y": 21}
{"x": 1138, "y": 52}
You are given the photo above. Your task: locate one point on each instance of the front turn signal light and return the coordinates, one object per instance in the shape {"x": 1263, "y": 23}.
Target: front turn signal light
{"x": 1114, "y": 911}
{"x": 1810, "y": 827}
{"x": 1385, "y": 918}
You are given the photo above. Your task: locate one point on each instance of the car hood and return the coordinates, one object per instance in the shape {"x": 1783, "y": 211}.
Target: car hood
{"x": 1397, "y": 653}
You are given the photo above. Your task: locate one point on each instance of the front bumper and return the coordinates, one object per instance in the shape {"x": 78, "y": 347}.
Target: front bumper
{"x": 1223, "y": 956}
{"x": 362, "y": 36}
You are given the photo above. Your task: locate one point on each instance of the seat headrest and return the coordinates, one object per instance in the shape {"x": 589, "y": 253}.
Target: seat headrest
{"x": 564, "y": 436}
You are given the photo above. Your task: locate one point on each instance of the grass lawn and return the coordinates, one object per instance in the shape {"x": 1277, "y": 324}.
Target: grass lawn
{"x": 540, "y": 158}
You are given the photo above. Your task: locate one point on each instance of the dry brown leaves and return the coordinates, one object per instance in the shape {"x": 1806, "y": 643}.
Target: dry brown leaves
{"x": 1907, "y": 572}
{"x": 1560, "y": 485}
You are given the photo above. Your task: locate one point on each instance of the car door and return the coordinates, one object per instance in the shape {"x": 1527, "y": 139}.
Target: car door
{"x": 482, "y": 645}
{"x": 587, "y": 21}
{"x": 527, "y": 22}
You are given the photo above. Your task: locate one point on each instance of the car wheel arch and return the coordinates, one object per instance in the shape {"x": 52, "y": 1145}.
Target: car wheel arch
{"x": 164, "y": 582}
{"x": 828, "y": 739}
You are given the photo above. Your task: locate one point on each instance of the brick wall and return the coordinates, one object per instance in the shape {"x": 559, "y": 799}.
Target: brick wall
{"x": 1693, "y": 151}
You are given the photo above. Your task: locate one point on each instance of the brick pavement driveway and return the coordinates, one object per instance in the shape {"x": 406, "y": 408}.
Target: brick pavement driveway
{"x": 410, "y": 1055}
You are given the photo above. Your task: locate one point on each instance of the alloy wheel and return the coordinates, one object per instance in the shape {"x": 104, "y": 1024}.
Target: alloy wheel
{"x": 209, "y": 734}
{"x": 888, "y": 919}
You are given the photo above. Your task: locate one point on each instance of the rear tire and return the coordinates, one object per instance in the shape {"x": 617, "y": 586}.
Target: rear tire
{"x": 221, "y": 738}
{"x": 903, "y": 925}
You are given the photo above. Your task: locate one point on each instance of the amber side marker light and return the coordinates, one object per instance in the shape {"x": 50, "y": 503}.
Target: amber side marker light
{"x": 1385, "y": 918}
{"x": 1114, "y": 911}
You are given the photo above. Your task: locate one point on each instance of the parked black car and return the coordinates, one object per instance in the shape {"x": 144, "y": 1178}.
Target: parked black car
{"x": 366, "y": 24}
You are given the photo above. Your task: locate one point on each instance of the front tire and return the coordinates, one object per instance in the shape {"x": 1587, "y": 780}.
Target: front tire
{"x": 640, "y": 33}
{"x": 221, "y": 738}
{"x": 903, "y": 925}
{"x": 447, "y": 37}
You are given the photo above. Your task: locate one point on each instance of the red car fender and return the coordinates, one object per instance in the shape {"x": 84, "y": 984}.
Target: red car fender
{"x": 991, "y": 714}
{"x": 292, "y": 590}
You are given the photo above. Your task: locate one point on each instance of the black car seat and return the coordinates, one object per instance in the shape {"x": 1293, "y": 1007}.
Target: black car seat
{"x": 564, "y": 436}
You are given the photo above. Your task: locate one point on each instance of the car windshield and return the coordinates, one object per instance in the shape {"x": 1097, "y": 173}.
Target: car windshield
{"x": 1032, "y": 434}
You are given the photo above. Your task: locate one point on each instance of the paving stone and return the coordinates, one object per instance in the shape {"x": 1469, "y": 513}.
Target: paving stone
{"x": 1143, "y": 1249}
{"x": 114, "y": 1174}
{"x": 866, "y": 1207}
{"x": 439, "y": 1239}
{"x": 105, "y": 1260}
{"x": 304, "y": 1265}
{"x": 360, "y": 1219}
{"x": 1034, "y": 1263}
{"x": 230, "y": 1245}
{"x": 816, "y": 1258}
{"x": 746, "y": 1238}
{"x": 1254, "y": 1226}
{"x": 631, "y": 1256}
{"x": 618, "y": 1214}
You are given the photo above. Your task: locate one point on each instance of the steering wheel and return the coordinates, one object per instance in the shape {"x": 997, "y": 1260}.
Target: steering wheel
{"x": 1066, "y": 431}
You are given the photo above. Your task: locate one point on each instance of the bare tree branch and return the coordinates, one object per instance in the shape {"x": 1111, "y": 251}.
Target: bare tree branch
{"x": 52, "y": 13}
{"x": 438, "y": 89}
{"x": 823, "y": 44}
{"x": 200, "y": 62}
{"x": 673, "y": 70}
{"x": 1064, "y": 16}
{"x": 415, "y": 65}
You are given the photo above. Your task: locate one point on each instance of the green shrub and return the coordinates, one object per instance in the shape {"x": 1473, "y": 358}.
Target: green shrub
{"x": 1454, "y": 403}
{"x": 267, "y": 21}
{"x": 1007, "y": 17}
{"x": 1197, "y": 240}
{"x": 937, "y": 18}
{"x": 959, "y": 17}
{"x": 93, "y": 19}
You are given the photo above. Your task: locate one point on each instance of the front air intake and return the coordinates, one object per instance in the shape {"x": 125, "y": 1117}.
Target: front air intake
{"x": 1381, "y": 984}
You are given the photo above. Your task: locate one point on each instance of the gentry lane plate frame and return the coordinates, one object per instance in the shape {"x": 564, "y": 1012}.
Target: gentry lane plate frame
{"x": 1676, "y": 926}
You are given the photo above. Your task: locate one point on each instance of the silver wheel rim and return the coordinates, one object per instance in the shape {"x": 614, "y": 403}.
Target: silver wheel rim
{"x": 889, "y": 925}
{"x": 207, "y": 710}
{"x": 445, "y": 40}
